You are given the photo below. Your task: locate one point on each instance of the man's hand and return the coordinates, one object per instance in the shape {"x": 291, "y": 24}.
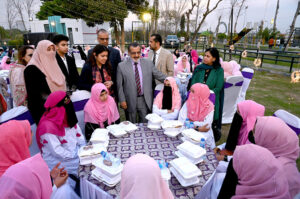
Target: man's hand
{"x": 108, "y": 84}
{"x": 123, "y": 105}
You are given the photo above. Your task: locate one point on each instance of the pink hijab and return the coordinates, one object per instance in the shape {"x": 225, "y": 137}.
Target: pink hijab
{"x": 195, "y": 56}
{"x": 46, "y": 62}
{"x": 180, "y": 67}
{"x": 96, "y": 111}
{"x": 4, "y": 65}
{"x": 273, "y": 134}
{"x": 249, "y": 110}
{"x": 15, "y": 138}
{"x": 198, "y": 103}
{"x": 260, "y": 175}
{"x": 28, "y": 179}
{"x": 231, "y": 68}
{"x": 176, "y": 99}
{"x": 54, "y": 119}
{"x": 141, "y": 179}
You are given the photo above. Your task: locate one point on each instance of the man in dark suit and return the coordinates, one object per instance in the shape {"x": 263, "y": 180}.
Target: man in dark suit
{"x": 114, "y": 55}
{"x": 66, "y": 63}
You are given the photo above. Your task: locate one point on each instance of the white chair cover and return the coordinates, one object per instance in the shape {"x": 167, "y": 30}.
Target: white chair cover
{"x": 157, "y": 89}
{"x": 89, "y": 190}
{"x": 205, "y": 191}
{"x": 79, "y": 99}
{"x": 22, "y": 113}
{"x": 232, "y": 89}
{"x": 248, "y": 75}
{"x": 291, "y": 120}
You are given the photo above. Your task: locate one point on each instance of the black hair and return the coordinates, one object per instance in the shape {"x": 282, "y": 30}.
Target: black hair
{"x": 58, "y": 38}
{"x": 134, "y": 45}
{"x": 214, "y": 53}
{"x": 157, "y": 38}
{"x": 97, "y": 50}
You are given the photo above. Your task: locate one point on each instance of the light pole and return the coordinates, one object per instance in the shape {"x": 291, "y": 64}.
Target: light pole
{"x": 231, "y": 27}
{"x": 146, "y": 18}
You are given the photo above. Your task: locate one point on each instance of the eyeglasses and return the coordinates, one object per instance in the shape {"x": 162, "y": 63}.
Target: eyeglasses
{"x": 103, "y": 39}
{"x": 134, "y": 53}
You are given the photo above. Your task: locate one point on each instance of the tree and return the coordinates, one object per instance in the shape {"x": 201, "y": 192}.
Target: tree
{"x": 275, "y": 18}
{"x": 218, "y": 25}
{"x": 10, "y": 14}
{"x": 238, "y": 14}
{"x": 188, "y": 13}
{"x": 182, "y": 23}
{"x": 205, "y": 14}
{"x": 18, "y": 4}
{"x": 293, "y": 25}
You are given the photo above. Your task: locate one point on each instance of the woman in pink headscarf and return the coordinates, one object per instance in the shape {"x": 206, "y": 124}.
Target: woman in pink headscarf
{"x": 100, "y": 111}
{"x": 58, "y": 135}
{"x": 195, "y": 57}
{"x": 242, "y": 123}
{"x": 231, "y": 68}
{"x": 30, "y": 179}
{"x": 5, "y": 63}
{"x": 275, "y": 135}
{"x": 254, "y": 172}
{"x": 199, "y": 110}
{"x": 42, "y": 77}
{"x": 15, "y": 139}
{"x": 141, "y": 179}
{"x": 183, "y": 65}
{"x": 168, "y": 101}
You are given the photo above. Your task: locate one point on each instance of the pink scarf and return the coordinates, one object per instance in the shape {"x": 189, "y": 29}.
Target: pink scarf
{"x": 47, "y": 63}
{"x": 195, "y": 56}
{"x": 96, "y": 111}
{"x": 141, "y": 178}
{"x": 29, "y": 178}
{"x": 249, "y": 110}
{"x": 4, "y": 65}
{"x": 15, "y": 138}
{"x": 54, "y": 119}
{"x": 273, "y": 134}
{"x": 198, "y": 103}
{"x": 176, "y": 99}
{"x": 231, "y": 68}
{"x": 260, "y": 175}
{"x": 180, "y": 67}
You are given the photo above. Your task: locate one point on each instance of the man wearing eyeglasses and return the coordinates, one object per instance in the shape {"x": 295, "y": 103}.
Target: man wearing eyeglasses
{"x": 114, "y": 54}
{"x": 134, "y": 82}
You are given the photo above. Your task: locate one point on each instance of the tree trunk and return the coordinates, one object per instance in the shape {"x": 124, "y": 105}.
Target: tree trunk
{"x": 156, "y": 15}
{"x": 237, "y": 17}
{"x": 19, "y": 8}
{"x": 275, "y": 18}
{"x": 217, "y": 28}
{"x": 292, "y": 26}
{"x": 116, "y": 30}
{"x": 122, "y": 35}
{"x": 187, "y": 26}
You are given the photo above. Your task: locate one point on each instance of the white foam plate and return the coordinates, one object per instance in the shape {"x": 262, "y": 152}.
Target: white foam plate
{"x": 110, "y": 171}
{"x": 128, "y": 126}
{"x": 172, "y": 124}
{"x": 191, "y": 150}
{"x": 109, "y": 181}
{"x": 171, "y": 133}
{"x": 186, "y": 169}
{"x": 182, "y": 181}
{"x": 194, "y": 161}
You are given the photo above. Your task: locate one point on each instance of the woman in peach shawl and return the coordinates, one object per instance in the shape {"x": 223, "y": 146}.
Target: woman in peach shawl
{"x": 183, "y": 65}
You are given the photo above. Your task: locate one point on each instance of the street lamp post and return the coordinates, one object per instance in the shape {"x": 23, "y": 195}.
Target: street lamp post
{"x": 146, "y": 18}
{"x": 231, "y": 27}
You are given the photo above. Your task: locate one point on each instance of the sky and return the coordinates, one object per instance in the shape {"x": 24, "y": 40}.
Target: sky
{"x": 257, "y": 10}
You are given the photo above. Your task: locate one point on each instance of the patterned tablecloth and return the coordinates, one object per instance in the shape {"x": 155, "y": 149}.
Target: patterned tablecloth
{"x": 158, "y": 146}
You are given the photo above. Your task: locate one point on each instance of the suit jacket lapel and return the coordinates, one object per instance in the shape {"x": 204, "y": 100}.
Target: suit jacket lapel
{"x": 161, "y": 54}
{"x": 130, "y": 69}
{"x": 62, "y": 65}
{"x": 143, "y": 71}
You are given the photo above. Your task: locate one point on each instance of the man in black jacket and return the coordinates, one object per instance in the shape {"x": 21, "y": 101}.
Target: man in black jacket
{"x": 66, "y": 63}
{"x": 114, "y": 55}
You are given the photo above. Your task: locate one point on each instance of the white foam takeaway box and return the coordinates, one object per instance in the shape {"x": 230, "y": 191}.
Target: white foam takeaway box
{"x": 182, "y": 181}
{"x": 128, "y": 126}
{"x": 116, "y": 130}
{"x": 172, "y": 127}
{"x": 87, "y": 154}
{"x": 185, "y": 168}
{"x": 191, "y": 150}
{"x": 194, "y": 161}
{"x": 109, "y": 171}
{"x": 99, "y": 136}
{"x": 109, "y": 181}
{"x": 154, "y": 118}
{"x": 193, "y": 135}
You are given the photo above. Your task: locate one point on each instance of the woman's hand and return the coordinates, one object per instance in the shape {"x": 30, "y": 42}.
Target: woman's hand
{"x": 56, "y": 171}
{"x": 170, "y": 111}
{"x": 61, "y": 179}
{"x": 108, "y": 84}
{"x": 204, "y": 128}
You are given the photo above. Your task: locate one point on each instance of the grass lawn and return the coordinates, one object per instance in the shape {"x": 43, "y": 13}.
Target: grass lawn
{"x": 274, "y": 92}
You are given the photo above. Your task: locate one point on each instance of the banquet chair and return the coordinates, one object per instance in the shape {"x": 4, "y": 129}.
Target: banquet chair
{"x": 157, "y": 89}
{"x": 248, "y": 75}
{"x": 232, "y": 89}
{"x": 79, "y": 99}
{"x": 22, "y": 113}
{"x": 291, "y": 120}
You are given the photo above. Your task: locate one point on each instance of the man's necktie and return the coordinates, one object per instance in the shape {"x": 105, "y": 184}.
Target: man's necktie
{"x": 137, "y": 79}
{"x": 154, "y": 58}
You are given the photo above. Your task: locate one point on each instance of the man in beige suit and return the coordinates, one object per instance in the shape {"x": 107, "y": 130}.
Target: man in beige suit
{"x": 161, "y": 58}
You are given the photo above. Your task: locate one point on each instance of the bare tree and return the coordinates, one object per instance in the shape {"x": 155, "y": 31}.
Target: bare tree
{"x": 238, "y": 14}
{"x": 275, "y": 18}
{"x": 293, "y": 25}
{"x": 156, "y": 15}
{"x": 218, "y": 25}
{"x": 188, "y": 14}
{"x": 180, "y": 7}
{"x": 28, "y": 7}
{"x": 19, "y": 7}
{"x": 197, "y": 12}
{"x": 205, "y": 14}
{"x": 10, "y": 14}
